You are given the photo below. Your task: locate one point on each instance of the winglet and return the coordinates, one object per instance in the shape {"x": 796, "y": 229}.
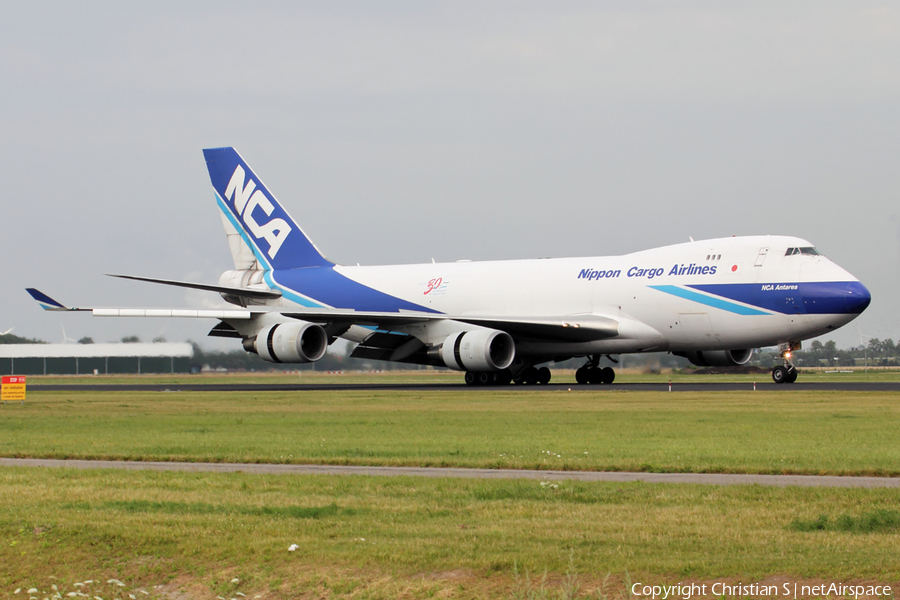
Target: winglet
{"x": 46, "y": 302}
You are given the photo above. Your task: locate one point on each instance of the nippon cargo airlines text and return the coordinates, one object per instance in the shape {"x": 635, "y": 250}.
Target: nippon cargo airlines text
{"x": 649, "y": 273}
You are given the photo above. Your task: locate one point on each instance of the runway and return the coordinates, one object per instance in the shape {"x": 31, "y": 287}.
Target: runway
{"x": 764, "y": 385}
{"x": 622, "y": 477}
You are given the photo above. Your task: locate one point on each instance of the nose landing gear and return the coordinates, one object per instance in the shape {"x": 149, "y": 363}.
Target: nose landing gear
{"x": 786, "y": 373}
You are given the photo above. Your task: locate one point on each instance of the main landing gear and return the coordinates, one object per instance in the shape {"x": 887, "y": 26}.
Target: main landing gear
{"x": 592, "y": 373}
{"x": 489, "y": 377}
{"x": 527, "y": 376}
{"x": 786, "y": 373}
{"x": 533, "y": 376}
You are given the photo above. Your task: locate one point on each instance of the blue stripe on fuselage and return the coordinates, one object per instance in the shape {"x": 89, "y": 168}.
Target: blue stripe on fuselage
{"x": 322, "y": 286}
{"x": 707, "y": 300}
{"x": 814, "y": 298}
{"x": 338, "y": 291}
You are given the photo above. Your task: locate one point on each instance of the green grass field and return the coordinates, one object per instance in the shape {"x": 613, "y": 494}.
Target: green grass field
{"x": 190, "y": 535}
{"x": 718, "y": 432}
{"x": 375, "y": 537}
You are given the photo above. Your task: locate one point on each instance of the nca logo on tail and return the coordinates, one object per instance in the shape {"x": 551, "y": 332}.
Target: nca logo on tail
{"x": 246, "y": 200}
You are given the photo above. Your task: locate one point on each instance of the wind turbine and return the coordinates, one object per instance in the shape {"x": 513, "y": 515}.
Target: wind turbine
{"x": 865, "y": 348}
{"x": 66, "y": 339}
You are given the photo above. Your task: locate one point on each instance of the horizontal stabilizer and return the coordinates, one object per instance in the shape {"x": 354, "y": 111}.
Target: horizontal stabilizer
{"x": 222, "y": 289}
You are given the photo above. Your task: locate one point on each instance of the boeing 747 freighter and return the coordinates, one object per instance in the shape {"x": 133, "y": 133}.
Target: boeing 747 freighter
{"x": 711, "y": 301}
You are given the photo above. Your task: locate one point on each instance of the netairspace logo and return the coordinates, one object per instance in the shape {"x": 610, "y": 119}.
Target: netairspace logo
{"x": 246, "y": 200}
{"x": 686, "y": 591}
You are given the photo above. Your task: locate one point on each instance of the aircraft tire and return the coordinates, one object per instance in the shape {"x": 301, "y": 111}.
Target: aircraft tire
{"x": 595, "y": 375}
{"x": 581, "y": 375}
{"x": 504, "y": 377}
{"x": 544, "y": 375}
{"x": 484, "y": 378}
{"x": 791, "y": 376}
{"x": 779, "y": 374}
{"x": 608, "y": 375}
{"x": 471, "y": 378}
{"x": 530, "y": 376}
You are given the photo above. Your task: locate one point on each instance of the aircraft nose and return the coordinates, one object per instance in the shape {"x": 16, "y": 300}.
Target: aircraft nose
{"x": 857, "y": 298}
{"x": 836, "y": 297}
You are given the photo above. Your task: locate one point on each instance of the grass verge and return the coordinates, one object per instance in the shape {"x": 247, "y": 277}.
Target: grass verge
{"x": 202, "y": 535}
{"x": 847, "y": 433}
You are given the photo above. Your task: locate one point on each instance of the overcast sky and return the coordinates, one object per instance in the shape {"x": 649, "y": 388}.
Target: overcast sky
{"x": 406, "y": 131}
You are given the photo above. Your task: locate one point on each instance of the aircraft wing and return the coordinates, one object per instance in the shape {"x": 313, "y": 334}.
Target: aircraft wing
{"x": 573, "y": 328}
{"x": 48, "y": 303}
{"x": 577, "y": 328}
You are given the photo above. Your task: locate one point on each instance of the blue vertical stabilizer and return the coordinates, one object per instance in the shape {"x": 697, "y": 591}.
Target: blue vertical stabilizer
{"x": 276, "y": 240}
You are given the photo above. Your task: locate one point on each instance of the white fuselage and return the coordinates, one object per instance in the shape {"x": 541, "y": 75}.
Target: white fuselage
{"x": 653, "y": 295}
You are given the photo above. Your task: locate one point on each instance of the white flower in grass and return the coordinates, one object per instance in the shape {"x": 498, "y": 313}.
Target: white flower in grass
{"x": 235, "y": 581}
{"x": 32, "y": 591}
{"x": 17, "y": 590}
{"x": 292, "y": 547}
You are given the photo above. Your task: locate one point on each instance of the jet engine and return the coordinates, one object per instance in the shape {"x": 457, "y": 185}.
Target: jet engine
{"x": 718, "y": 358}
{"x": 298, "y": 342}
{"x": 480, "y": 350}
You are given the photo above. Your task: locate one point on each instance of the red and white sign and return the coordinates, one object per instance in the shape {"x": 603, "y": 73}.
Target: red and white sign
{"x": 13, "y": 388}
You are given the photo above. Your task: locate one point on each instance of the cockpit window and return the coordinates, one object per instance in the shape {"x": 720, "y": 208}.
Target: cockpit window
{"x": 808, "y": 250}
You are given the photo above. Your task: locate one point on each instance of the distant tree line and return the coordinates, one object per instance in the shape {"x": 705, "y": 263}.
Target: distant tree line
{"x": 875, "y": 353}
{"x": 11, "y": 338}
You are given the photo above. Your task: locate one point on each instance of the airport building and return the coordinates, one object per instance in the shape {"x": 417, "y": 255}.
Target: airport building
{"x": 86, "y": 359}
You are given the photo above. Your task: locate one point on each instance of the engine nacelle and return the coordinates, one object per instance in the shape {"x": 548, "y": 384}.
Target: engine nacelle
{"x": 718, "y": 358}
{"x": 299, "y": 342}
{"x": 480, "y": 350}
